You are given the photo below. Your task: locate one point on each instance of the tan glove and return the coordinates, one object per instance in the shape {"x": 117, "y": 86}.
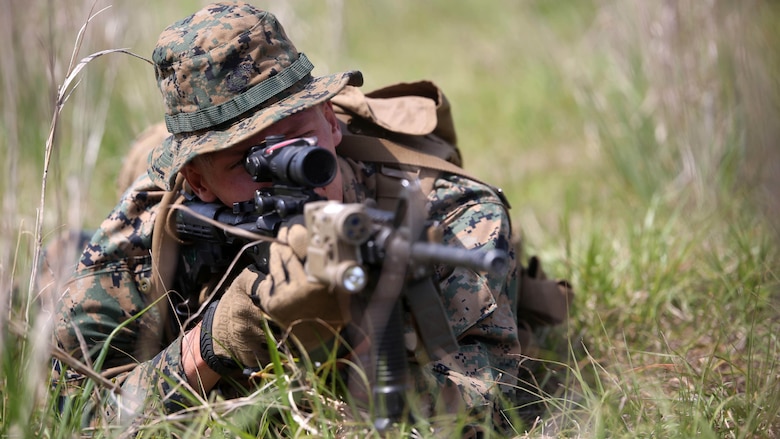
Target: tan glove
{"x": 231, "y": 331}
{"x": 315, "y": 312}
{"x": 232, "y": 337}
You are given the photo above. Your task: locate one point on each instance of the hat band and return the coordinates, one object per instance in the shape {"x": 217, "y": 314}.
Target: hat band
{"x": 240, "y": 104}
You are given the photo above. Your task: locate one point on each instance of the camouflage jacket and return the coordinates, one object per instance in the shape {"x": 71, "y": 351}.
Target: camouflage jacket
{"x": 105, "y": 304}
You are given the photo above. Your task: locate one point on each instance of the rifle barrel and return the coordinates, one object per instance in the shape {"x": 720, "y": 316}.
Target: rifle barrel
{"x": 494, "y": 261}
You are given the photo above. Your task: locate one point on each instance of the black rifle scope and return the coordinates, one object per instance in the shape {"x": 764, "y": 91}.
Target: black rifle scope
{"x": 298, "y": 162}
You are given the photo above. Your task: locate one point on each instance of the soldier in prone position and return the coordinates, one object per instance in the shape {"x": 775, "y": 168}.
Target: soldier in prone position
{"x": 230, "y": 78}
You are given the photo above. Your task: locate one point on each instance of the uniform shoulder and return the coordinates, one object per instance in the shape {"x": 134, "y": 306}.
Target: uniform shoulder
{"x": 449, "y": 186}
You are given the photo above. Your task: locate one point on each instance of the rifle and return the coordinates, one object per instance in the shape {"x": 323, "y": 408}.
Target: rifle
{"x": 377, "y": 256}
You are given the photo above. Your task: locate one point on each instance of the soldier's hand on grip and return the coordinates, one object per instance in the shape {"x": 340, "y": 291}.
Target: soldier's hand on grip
{"x": 312, "y": 310}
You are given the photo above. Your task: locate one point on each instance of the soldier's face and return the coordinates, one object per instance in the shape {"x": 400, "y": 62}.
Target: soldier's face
{"x": 220, "y": 176}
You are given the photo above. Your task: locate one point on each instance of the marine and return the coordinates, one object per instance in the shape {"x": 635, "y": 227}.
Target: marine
{"x": 230, "y": 78}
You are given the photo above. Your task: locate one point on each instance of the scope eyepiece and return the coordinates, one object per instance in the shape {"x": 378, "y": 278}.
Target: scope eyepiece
{"x": 295, "y": 161}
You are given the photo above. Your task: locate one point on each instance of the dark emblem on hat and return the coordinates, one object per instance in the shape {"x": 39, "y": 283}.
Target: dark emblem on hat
{"x": 237, "y": 80}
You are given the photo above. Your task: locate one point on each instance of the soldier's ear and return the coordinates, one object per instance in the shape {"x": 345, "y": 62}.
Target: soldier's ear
{"x": 330, "y": 116}
{"x": 197, "y": 182}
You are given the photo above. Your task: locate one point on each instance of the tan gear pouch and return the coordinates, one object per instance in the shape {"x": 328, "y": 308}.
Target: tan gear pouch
{"x": 415, "y": 114}
{"x": 542, "y": 301}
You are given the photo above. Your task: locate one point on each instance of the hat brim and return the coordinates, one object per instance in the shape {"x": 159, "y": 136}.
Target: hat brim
{"x": 167, "y": 159}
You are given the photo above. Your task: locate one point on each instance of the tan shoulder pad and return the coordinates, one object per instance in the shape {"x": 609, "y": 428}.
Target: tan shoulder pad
{"x": 136, "y": 162}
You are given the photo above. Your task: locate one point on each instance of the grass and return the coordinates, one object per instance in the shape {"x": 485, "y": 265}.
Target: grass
{"x": 635, "y": 140}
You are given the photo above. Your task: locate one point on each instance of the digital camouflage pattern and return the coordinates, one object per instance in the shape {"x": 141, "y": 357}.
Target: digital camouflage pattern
{"x": 220, "y": 63}
{"x": 111, "y": 278}
{"x": 107, "y": 291}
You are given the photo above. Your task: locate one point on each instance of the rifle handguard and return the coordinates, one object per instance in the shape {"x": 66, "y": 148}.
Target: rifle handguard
{"x": 339, "y": 234}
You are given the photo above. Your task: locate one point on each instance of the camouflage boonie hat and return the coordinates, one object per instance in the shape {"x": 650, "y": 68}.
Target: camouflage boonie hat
{"x": 227, "y": 72}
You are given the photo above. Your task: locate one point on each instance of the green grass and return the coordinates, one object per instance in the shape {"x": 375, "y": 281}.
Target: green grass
{"x": 636, "y": 142}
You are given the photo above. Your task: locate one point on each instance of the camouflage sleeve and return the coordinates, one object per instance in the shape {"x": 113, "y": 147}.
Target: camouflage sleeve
{"x": 156, "y": 386}
{"x": 104, "y": 317}
{"x": 484, "y": 369}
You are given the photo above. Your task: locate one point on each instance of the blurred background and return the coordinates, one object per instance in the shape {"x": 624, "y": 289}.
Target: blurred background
{"x": 546, "y": 94}
{"x": 637, "y": 142}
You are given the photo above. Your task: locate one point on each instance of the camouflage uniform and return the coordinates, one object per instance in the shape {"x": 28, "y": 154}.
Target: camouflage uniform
{"x": 106, "y": 302}
{"x": 107, "y": 292}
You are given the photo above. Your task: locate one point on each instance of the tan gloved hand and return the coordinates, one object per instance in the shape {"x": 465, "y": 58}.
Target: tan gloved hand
{"x": 232, "y": 336}
{"x": 231, "y": 331}
{"x": 315, "y": 312}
